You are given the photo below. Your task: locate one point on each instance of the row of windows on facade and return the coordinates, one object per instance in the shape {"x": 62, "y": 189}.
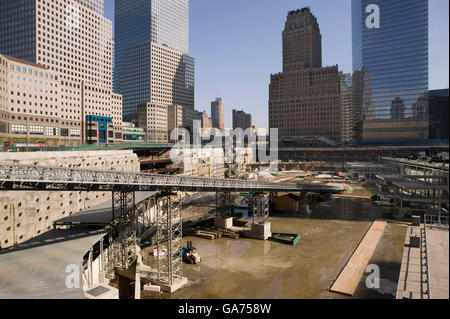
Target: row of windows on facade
{"x": 58, "y": 54}
{"x": 39, "y": 130}
{"x": 45, "y": 75}
{"x": 69, "y": 10}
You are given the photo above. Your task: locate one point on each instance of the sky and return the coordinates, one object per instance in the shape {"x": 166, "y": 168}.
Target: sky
{"x": 237, "y": 44}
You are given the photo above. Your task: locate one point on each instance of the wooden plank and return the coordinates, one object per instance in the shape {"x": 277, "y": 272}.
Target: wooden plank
{"x": 351, "y": 275}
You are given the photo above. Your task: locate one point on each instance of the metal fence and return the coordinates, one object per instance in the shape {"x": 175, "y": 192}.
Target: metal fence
{"x": 435, "y": 220}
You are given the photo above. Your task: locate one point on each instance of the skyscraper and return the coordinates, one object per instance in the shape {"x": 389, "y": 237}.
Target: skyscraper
{"x": 302, "y": 41}
{"x": 305, "y": 99}
{"x": 141, "y": 26}
{"x": 73, "y": 40}
{"x": 241, "y": 120}
{"x": 390, "y": 49}
{"x": 218, "y": 113}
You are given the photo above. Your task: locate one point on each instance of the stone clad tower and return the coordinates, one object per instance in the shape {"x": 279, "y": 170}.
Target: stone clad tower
{"x": 306, "y": 99}
{"x": 302, "y": 41}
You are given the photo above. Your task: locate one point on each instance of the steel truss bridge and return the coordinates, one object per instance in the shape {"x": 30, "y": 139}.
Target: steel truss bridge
{"x": 122, "y": 229}
{"x": 14, "y": 177}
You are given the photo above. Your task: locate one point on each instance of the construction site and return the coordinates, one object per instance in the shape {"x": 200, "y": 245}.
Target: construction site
{"x": 138, "y": 226}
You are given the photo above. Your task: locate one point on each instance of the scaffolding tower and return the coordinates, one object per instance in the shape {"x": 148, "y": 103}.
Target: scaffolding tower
{"x": 223, "y": 205}
{"x": 261, "y": 208}
{"x": 169, "y": 239}
{"x": 123, "y": 229}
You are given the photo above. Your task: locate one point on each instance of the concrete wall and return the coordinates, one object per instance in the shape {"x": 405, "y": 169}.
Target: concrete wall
{"x": 24, "y": 215}
{"x": 203, "y": 162}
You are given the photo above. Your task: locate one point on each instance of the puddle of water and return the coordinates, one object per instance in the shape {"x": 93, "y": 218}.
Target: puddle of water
{"x": 247, "y": 268}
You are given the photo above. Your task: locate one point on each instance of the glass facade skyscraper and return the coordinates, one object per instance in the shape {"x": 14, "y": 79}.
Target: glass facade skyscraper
{"x": 390, "y": 59}
{"x": 18, "y": 29}
{"x": 132, "y": 28}
{"x": 137, "y": 24}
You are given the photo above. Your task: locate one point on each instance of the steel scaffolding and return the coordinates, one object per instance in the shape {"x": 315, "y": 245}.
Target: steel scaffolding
{"x": 223, "y": 205}
{"x": 123, "y": 228}
{"x": 261, "y": 208}
{"x": 169, "y": 239}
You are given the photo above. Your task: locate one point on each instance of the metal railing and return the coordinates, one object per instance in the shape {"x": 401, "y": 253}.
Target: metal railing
{"x": 435, "y": 220}
{"x": 30, "y": 177}
{"x": 431, "y": 221}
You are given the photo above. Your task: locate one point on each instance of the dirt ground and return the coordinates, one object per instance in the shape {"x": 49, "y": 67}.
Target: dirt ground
{"x": 246, "y": 268}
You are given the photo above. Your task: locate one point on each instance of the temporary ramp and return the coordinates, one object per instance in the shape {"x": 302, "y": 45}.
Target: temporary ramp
{"x": 351, "y": 275}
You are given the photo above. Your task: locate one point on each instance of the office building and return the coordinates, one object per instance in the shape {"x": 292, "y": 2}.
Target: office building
{"x": 73, "y": 40}
{"x": 29, "y": 109}
{"x": 206, "y": 121}
{"x": 152, "y": 43}
{"x": 132, "y": 133}
{"x": 347, "y": 117}
{"x": 241, "y": 120}
{"x": 305, "y": 99}
{"x": 218, "y": 113}
{"x": 302, "y": 41}
{"x": 153, "y": 119}
{"x": 438, "y": 114}
{"x": 174, "y": 117}
{"x": 390, "y": 61}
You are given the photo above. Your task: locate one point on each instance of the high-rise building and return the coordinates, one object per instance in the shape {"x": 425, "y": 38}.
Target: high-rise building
{"x": 348, "y": 130}
{"x": 153, "y": 36}
{"x": 438, "y": 114}
{"x": 206, "y": 121}
{"x": 241, "y": 120}
{"x": 390, "y": 63}
{"x": 218, "y": 113}
{"x": 306, "y": 99}
{"x": 153, "y": 119}
{"x": 73, "y": 40}
{"x": 174, "y": 117}
{"x": 302, "y": 41}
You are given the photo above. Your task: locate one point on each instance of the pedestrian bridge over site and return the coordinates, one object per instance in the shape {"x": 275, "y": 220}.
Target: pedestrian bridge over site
{"x": 28, "y": 177}
{"x": 120, "y": 242}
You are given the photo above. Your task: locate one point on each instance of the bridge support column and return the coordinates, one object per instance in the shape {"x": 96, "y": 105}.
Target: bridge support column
{"x": 304, "y": 204}
{"x": 169, "y": 242}
{"x": 261, "y": 209}
{"x": 223, "y": 211}
{"x": 123, "y": 228}
{"x": 260, "y": 229}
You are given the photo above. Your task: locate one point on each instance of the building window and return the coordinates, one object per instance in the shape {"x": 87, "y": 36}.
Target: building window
{"x": 36, "y": 130}
{"x": 64, "y": 132}
{"x": 92, "y": 133}
{"x": 3, "y": 127}
{"x": 51, "y": 131}
{"x": 75, "y": 132}
{"x": 19, "y": 129}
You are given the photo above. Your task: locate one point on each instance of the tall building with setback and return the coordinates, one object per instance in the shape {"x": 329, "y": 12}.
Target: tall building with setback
{"x": 302, "y": 41}
{"x": 72, "y": 41}
{"x": 218, "y": 113}
{"x": 390, "y": 65}
{"x": 305, "y": 99}
{"x": 152, "y": 45}
{"x": 241, "y": 120}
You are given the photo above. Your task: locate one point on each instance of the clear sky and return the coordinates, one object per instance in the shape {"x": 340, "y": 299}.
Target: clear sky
{"x": 237, "y": 45}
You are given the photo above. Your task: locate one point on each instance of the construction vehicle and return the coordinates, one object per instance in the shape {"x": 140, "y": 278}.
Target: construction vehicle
{"x": 190, "y": 254}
